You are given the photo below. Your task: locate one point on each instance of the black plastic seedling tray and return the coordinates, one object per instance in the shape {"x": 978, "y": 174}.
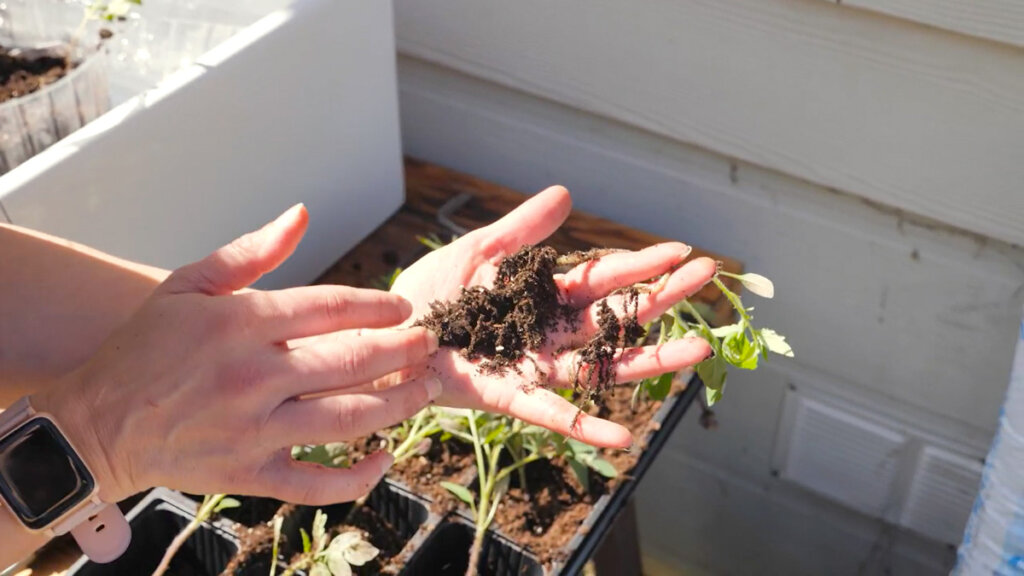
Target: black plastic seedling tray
{"x": 155, "y": 521}
{"x": 435, "y": 547}
{"x": 600, "y": 520}
{"x": 445, "y": 552}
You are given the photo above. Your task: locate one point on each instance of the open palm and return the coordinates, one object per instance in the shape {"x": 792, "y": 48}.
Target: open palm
{"x": 473, "y": 260}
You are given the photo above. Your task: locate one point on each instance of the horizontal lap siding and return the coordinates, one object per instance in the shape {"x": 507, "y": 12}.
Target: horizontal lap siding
{"x": 915, "y": 118}
{"x": 998, "y": 20}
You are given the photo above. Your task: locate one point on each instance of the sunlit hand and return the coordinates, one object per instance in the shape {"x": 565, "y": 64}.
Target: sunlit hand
{"x": 473, "y": 260}
{"x": 198, "y": 391}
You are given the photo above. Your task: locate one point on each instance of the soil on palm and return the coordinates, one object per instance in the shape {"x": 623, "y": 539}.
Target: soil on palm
{"x": 25, "y": 71}
{"x": 497, "y": 326}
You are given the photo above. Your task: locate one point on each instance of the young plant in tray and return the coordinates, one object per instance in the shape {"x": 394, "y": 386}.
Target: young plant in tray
{"x": 212, "y": 504}
{"x": 323, "y": 556}
{"x": 493, "y": 437}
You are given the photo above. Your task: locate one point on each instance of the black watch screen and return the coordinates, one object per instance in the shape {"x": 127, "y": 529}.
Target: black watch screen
{"x": 41, "y": 476}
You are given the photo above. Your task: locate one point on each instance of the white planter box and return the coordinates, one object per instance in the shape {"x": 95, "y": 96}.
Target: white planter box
{"x": 299, "y": 107}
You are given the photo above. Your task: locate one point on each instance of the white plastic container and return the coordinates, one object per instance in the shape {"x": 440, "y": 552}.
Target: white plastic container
{"x": 300, "y": 106}
{"x": 994, "y": 538}
{"x": 36, "y": 121}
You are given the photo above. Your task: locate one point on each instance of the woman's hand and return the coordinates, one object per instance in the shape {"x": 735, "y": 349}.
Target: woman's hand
{"x": 473, "y": 260}
{"x": 199, "y": 391}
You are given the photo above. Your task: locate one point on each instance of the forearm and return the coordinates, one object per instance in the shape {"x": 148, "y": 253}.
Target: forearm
{"x": 18, "y": 543}
{"x": 59, "y": 301}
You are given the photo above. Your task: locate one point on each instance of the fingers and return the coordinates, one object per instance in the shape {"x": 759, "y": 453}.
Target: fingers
{"x": 595, "y": 279}
{"x": 244, "y": 260}
{"x": 335, "y": 365}
{"x": 314, "y": 310}
{"x": 545, "y": 408}
{"x": 531, "y": 222}
{"x": 633, "y": 364}
{"x": 349, "y": 416}
{"x": 661, "y": 296}
{"x": 314, "y": 485}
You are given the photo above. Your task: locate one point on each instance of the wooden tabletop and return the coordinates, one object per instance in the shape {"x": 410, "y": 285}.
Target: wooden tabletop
{"x": 428, "y": 187}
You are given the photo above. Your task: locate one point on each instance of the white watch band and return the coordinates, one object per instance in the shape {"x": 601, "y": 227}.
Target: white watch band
{"x": 101, "y": 530}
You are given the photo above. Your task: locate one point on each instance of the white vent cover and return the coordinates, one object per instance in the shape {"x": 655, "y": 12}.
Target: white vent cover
{"x": 886, "y": 464}
{"x": 942, "y": 494}
{"x": 841, "y": 455}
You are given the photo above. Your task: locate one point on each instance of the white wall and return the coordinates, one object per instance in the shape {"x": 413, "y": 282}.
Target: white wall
{"x": 906, "y": 313}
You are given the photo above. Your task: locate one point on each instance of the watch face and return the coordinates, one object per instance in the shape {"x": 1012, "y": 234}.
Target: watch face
{"x": 41, "y": 476}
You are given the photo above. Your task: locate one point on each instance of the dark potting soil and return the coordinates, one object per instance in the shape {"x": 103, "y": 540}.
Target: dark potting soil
{"x": 25, "y": 71}
{"x": 546, "y": 518}
{"x": 497, "y": 326}
{"x": 377, "y": 531}
{"x": 444, "y": 461}
{"x": 255, "y": 543}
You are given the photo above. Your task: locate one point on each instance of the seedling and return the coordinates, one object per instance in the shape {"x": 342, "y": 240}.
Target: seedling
{"x": 212, "y": 504}
{"x": 493, "y": 436}
{"x": 739, "y": 345}
{"x": 322, "y": 556}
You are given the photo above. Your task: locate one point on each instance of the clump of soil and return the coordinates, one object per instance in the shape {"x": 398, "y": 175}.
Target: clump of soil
{"x": 499, "y": 325}
{"x": 25, "y": 71}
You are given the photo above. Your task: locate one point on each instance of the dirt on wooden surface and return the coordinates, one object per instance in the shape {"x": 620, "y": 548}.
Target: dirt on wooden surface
{"x": 25, "y": 71}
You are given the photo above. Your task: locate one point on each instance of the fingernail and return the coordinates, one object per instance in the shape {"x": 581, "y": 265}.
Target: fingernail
{"x": 433, "y": 387}
{"x": 687, "y": 250}
{"x": 432, "y": 342}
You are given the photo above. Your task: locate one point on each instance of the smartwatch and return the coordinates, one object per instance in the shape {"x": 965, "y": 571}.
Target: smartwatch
{"x": 49, "y": 489}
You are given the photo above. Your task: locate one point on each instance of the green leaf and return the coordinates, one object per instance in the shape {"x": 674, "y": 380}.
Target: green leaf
{"x": 332, "y": 455}
{"x": 226, "y": 503}
{"x": 603, "y": 467}
{"x": 755, "y": 284}
{"x": 713, "y": 395}
{"x": 580, "y": 448}
{"x": 726, "y": 331}
{"x": 494, "y": 433}
{"x": 712, "y": 373}
{"x": 658, "y": 388}
{"x": 776, "y": 342}
{"x": 460, "y": 492}
{"x": 306, "y": 544}
{"x": 740, "y": 351}
{"x": 582, "y": 473}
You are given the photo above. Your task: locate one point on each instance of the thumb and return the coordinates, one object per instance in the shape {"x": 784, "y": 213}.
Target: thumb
{"x": 244, "y": 260}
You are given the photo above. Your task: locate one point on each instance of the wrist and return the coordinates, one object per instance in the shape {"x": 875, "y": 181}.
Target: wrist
{"x": 66, "y": 404}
